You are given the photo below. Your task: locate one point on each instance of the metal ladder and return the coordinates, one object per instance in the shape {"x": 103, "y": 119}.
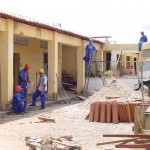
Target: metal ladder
{"x": 88, "y": 71}
{"x": 99, "y": 66}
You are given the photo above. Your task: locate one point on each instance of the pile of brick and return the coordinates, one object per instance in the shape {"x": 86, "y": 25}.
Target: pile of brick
{"x": 113, "y": 111}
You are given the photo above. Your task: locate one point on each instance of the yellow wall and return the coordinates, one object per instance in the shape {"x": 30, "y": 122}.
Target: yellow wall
{"x": 3, "y": 24}
{"x": 6, "y": 64}
{"x": 27, "y": 55}
{"x": 34, "y": 32}
{"x": 109, "y": 47}
{"x": 69, "y": 60}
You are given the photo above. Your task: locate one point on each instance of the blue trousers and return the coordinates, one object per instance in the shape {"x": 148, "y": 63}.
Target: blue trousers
{"x": 140, "y": 46}
{"x": 36, "y": 94}
{"x": 20, "y": 107}
{"x": 24, "y": 92}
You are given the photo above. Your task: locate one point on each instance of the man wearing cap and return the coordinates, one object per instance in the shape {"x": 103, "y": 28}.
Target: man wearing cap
{"x": 143, "y": 39}
{"x": 24, "y": 79}
{"x": 19, "y": 102}
{"x": 40, "y": 90}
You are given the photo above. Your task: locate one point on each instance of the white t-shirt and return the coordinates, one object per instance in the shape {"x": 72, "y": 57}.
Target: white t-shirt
{"x": 42, "y": 81}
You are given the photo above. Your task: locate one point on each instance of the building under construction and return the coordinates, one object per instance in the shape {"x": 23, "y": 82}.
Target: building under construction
{"x": 58, "y": 51}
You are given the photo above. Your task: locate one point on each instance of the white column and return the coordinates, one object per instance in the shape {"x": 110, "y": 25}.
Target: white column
{"x": 53, "y": 66}
{"x": 6, "y": 65}
{"x": 80, "y": 68}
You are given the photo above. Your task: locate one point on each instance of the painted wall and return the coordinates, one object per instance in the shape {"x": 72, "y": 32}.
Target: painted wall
{"x": 69, "y": 60}
{"x": 109, "y": 47}
{"x": 6, "y": 64}
{"x": 33, "y": 55}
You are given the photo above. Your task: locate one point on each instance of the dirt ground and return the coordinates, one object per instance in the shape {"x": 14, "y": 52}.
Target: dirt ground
{"x": 70, "y": 120}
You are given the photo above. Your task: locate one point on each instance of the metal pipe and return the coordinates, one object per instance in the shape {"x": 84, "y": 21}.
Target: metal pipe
{"x": 141, "y": 68}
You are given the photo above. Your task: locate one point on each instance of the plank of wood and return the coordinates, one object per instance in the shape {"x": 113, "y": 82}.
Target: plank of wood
{"x": 81, "y": 97}
{"x": 67, "y": 84}
{"x": 72, "y": 89}
{"x": 112, "y": 97}
{"x": 87, "y": 117}
{"x": 127, "y": 135}
{"x": 72, "y": 146}
{"x": 138, "y": 120}
{"x": 133, "y": 146}
{"x": 117, "y": 141}
{"x": 47, "y": 119}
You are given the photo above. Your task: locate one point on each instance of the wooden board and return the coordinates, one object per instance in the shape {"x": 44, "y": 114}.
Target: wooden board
{"x": 81, "y": 97}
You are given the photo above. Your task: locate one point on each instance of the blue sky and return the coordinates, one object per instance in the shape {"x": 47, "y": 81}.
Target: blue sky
{"x": 121, "y": 19}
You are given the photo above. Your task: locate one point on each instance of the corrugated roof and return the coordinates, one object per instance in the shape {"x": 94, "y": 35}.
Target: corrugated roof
{"x": 44, "y": 26}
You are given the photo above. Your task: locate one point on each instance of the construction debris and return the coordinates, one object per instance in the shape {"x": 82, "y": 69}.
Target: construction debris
{"x": 114, "y": 88}
{"x": 46, "y": 119}
{"x": 37, "y": 143}
{"x": 114, "y": 103}
{"x": 81, "y": 97}
{"x": 138, "y": 141}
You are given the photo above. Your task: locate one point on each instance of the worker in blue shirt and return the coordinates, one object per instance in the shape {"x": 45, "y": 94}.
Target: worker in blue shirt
{"x": 24, "y": 79}
{"x": 41, "y": 90}
{"x": 143, "y": 39}
{"x": 19, "y": 103}
{"x": 89, "y": 51}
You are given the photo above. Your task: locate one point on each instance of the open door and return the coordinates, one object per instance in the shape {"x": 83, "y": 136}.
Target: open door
{"x": 16, "y": 68}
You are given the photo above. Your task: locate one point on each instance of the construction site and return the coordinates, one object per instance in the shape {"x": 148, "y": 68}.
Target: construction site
{"x": 99, "y": 104}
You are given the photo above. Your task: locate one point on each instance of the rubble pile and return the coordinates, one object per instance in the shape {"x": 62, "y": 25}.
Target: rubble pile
{"x": 61, "y": 143}
{"x": 114, "y": 88}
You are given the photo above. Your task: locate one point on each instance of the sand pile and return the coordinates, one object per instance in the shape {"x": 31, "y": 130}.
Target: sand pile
{"x": 114, "y": 87}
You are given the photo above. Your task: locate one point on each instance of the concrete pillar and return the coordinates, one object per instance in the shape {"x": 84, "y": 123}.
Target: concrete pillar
{"x": 114, "y": 60}
{"x": 123, "y": 63}
{"x": 53, "y": 66}
{"x": 6, "y": 65}
{"x": 80, "y": 68}
{"x": 60, "y": 62}
{"x": 132, "y": 63}
{"x": 100, "y": 57}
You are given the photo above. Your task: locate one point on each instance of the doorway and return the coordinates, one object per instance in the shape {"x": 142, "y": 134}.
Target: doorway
{"x": 16, "y": 68}
{"x": 108, "y": 61}
{"x": 45, "y": 63}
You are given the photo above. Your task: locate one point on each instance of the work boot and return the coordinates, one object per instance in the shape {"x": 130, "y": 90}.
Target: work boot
{"x": 26, "y": 111}
{"x": 41, "y": 108}
{"x": 32, "y": 105}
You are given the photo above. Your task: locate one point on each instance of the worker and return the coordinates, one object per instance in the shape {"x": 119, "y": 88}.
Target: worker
{"x": 143, "y": 39}
{"x": 19, "y": 102}
{"x": 89, "y": 51}
{"x": 41, "y": 90}
{"x": 24, "y": 79}
{"x": 146, "y": 83}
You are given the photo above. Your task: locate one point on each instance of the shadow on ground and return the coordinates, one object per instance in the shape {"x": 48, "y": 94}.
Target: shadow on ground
{"x": 32, "y": 111}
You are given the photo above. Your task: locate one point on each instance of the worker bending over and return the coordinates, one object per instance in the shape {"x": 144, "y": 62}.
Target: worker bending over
{"x": 147, "y": 83}
{"x": 19, "y": 102}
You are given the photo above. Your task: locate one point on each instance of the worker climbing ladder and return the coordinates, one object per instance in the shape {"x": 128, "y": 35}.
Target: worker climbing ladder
{"x": 88, "y": 59}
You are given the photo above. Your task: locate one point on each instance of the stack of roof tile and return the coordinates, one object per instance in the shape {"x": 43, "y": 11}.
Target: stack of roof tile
{"x": 113, "y": 111}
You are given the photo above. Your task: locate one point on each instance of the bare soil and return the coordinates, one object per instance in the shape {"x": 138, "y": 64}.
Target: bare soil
{"x": 70, "y": 120}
